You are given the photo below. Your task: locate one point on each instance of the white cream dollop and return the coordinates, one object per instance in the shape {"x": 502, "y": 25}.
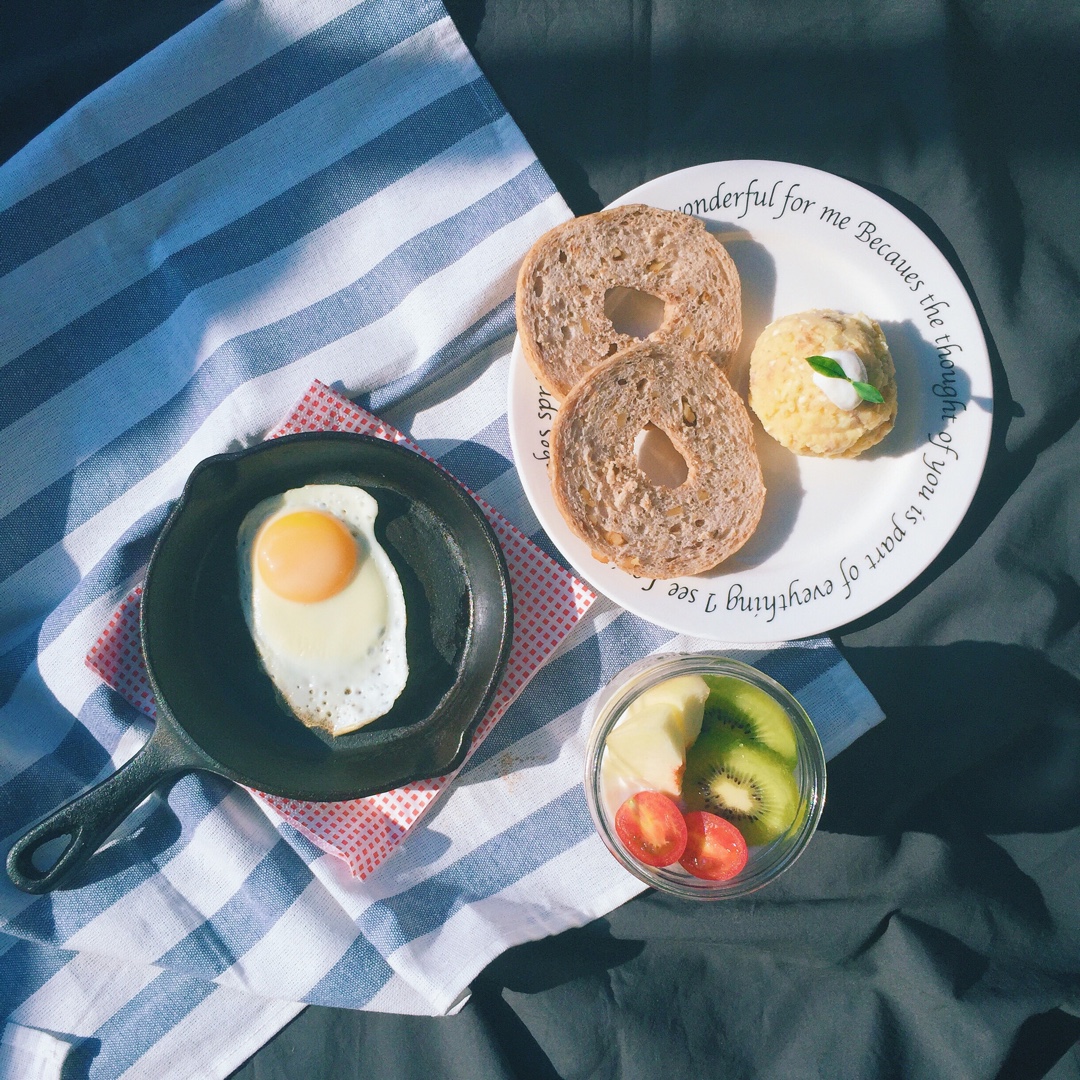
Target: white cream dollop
{"x": 839, "y": 391}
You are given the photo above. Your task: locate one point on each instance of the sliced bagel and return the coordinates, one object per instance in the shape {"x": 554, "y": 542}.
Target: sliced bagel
{"x": 607, "y": 498}
{"x": 564, "y": 280}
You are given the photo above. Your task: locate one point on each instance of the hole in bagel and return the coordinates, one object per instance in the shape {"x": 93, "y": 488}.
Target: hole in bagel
{"x": 659, "y": 459}
{"x": 633, "y": 312}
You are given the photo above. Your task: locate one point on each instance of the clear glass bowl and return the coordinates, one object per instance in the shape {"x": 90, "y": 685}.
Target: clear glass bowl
{"x": 766, "y": 862}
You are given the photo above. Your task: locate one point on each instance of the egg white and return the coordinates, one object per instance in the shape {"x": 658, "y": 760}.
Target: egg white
{"x": 338, "y": 663}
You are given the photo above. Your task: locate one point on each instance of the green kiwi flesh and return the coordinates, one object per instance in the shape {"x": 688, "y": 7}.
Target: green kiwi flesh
{"x": 742, "y": 705}
{"x": 714, "y": 741}
{"x": 746, "y": 783}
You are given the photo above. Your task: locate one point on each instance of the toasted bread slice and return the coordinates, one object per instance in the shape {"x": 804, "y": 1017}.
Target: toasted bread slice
{"x": 564, "y": 280}
{"x": 608, "y": 499}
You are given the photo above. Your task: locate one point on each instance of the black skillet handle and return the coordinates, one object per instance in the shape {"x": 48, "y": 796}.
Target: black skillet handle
{"x": 90, "y": 818}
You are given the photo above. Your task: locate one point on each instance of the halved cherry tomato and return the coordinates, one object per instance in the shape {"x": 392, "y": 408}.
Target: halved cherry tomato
{"x": 715, "y": 849}
{"x": 651, "y": 828}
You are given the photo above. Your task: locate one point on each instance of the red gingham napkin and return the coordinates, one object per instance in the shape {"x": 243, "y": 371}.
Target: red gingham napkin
{"x": 547, "y": 600}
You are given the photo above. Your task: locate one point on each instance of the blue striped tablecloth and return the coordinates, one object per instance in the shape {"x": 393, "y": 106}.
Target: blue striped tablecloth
{"x": 283, "y": 191}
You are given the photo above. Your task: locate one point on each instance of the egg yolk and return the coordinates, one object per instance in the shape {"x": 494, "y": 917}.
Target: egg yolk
{"x": 306, "y": 556}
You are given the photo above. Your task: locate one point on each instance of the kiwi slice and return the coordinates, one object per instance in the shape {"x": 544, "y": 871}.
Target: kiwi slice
{"x": 714, "y": 741}
{"x": 742, "y": 781}
{"x": 750, "y": 709}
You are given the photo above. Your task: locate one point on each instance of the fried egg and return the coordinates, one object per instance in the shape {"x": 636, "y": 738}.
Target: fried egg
{"x": 324, "y": 605}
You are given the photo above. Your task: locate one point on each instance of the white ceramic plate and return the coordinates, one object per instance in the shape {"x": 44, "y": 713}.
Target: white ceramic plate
{"x": 837, "y": 538}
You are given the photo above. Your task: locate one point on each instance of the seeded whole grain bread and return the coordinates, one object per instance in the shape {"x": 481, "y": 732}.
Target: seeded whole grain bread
{"x": 566, "y": 275}
{"x": 612, "y": 504}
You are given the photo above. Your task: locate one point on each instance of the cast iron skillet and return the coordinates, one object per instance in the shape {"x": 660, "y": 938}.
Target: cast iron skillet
{"x": 217, "y": 710}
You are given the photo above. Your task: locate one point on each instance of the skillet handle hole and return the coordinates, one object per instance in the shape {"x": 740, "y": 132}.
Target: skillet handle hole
{"x": 48, "y": 853}
{"x": 44, "y": 855}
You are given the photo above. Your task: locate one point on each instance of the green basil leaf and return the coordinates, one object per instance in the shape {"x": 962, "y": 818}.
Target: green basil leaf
{"x": 868, "y": 392}
{"x": 823, "y": 365}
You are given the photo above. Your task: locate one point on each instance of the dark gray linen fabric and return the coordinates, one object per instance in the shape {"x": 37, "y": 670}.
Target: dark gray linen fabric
{"x": 932, "y": 930}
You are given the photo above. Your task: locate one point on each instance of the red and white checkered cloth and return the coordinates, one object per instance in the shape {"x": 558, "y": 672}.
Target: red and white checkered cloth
{"x": 547, "y": 600}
